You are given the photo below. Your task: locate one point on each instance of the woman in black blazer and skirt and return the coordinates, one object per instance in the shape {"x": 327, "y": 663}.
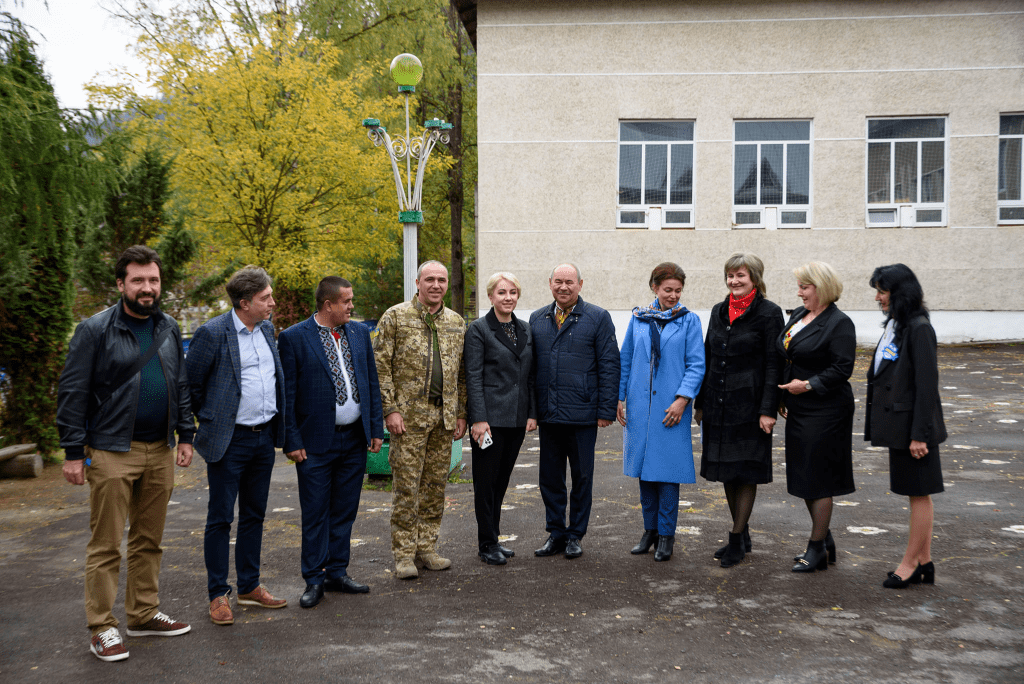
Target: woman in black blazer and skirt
{"x": 498, "y": 357}
{"x": 818, "y": 346}
{"x": 904, "y": 412}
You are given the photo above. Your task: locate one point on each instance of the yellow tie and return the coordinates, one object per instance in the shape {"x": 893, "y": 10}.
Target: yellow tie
{"x": 560, "y": 317}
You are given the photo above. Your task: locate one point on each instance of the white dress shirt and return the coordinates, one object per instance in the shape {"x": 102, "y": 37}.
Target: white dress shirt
{"x": 258, "y": 403}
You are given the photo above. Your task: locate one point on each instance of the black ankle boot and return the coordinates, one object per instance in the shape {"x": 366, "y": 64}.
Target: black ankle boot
{"x": 664, "y": 550}
{"x": 746, "y": 544}
{"x": 814, "y": 558}
{"x": 649, "y": 539}
{"x": 830, "y": 547}
{"x": 734, "y": 552}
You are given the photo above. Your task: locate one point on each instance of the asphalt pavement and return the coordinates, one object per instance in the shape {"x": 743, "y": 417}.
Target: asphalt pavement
{"x": 606, "y": 617}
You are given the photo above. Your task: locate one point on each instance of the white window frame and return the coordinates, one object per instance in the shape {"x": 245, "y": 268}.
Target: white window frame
{"x": 771, "y": 213}
{"x": 654, "y": 214}
{"x": 904, "y": 214}
{"x": 1017, "y": 203}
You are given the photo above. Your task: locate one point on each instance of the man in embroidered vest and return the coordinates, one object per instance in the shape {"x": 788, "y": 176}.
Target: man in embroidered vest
{"x": 422, "y": 384}
{"x": 334, "y": 414}
{"x": 237, "y": 387}
{"x": 576, "y": 358}
{"x": 118, "y": 418}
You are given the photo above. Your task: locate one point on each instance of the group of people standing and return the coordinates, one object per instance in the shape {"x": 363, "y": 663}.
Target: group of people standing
{"x": 324, "y": 392}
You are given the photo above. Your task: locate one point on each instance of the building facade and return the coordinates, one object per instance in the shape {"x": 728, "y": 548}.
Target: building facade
{"x": 617, "y": 135}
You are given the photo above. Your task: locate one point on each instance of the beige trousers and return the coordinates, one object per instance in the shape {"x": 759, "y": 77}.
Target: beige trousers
{"x": 135, "y": 485}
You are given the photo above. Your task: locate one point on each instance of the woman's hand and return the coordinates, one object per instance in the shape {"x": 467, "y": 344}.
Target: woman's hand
{"x": 795, "y": 386}
{"x": 782, "y": 409}
{"x": 698, "y": 415}
{"x": 531, "y": 424}
{"x": 620, "y": 413}
{"x": 674, "y": 413}
{"x": 918, "y": 449}
{"x": 767, "y": 423}
{"x": 480, "y": 429}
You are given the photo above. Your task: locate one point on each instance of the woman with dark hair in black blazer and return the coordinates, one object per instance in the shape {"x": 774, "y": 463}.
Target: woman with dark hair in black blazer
{"x": 818, "y": 345}
{"x": 498, "y": 357}
{"x": 904, "y": 412}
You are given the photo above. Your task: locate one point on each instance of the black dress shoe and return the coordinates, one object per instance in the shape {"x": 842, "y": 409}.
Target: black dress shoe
{"x": 346, "y": 585}
{"x": 551, "y": 547}
{"x": 747, "y": 545}
{"x": 573, "y": 548}
{"x": 814, "y": 558}
{"x": 649, "y": 539}
{"x": 830, "y": 547}
{"x": 505, "y": 551}
{"x": 313, "y": 595}
{"x": 664, "y": 550}
{"x": 493, "y": 556}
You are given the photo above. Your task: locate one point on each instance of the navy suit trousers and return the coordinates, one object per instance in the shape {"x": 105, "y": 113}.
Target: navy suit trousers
{"x": 329, "y": 488}
{"x": 243, "y": 474}
{"x": 575, "y": 444}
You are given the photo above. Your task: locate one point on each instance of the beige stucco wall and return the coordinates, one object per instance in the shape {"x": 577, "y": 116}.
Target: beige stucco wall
{"x": 555, "y": 79}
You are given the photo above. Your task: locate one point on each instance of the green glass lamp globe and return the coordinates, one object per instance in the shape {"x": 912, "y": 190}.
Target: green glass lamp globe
{"x": 406, "y": 69}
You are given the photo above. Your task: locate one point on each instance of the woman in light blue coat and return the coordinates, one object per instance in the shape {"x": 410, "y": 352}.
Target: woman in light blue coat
{"x": 661, "y": 371}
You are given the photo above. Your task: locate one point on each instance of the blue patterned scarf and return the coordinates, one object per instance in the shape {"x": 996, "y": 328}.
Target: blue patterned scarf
{"x": 656, "y": 318}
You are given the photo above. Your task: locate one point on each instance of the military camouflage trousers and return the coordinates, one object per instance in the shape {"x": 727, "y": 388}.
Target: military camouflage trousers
{"x": 419, "y": 460}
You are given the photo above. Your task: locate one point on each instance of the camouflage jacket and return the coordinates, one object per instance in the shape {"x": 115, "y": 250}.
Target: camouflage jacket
{"x": 402, "y": 347}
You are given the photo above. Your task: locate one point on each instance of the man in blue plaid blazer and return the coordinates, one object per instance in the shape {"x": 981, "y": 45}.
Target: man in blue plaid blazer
{"x": 237, "y": 387}
{"x": 334, "y": 414}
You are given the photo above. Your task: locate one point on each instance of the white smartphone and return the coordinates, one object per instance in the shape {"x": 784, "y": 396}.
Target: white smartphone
{"x": 486, "y": 440}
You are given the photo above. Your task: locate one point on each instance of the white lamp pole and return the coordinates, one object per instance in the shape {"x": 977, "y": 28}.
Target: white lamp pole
{"x": 407, "y": 70}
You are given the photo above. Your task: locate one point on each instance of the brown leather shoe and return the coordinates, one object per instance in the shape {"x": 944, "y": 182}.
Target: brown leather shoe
{"x": 220, "y": 611}
{"x": 432, "y": 561}
{"x": 262, "y": 598}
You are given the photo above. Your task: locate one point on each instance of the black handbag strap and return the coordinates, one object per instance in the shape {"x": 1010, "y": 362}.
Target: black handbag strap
{"x": 139, "y": 364}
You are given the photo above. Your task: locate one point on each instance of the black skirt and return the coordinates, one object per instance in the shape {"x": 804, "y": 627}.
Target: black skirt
{"x": 909, "y": 476}
{"x": 736, "y": 472}
{"x": 819, "y": 451}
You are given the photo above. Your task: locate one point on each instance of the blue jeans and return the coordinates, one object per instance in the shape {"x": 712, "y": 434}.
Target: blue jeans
{"x": 243, "y": 474}
{"x": 329, "y": 488}
{"x": 575, "y": 444}
{"x": 660, "y": 501}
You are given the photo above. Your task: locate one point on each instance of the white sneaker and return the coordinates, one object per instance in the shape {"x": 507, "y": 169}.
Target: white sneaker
{"x": 107, "y": 645}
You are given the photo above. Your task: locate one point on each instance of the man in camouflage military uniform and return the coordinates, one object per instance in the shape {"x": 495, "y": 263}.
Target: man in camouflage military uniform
{"x": 418, "y": 349}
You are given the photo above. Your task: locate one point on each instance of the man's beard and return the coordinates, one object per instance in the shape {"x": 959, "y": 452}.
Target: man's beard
{"x": 140, "y": 309}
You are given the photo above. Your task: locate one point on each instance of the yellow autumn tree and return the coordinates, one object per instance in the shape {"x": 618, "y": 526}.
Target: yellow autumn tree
{"x": 271, "y": 164}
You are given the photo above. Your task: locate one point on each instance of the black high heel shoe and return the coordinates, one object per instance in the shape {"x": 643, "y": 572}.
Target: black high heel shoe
{"x": 830, "y": 547}
{"x": 649, "y": 539}
{"x": 814, "y": 558}
{"x": 664, "y": 550}
{"x": 746, "y": 544}
{"x": 894, "y": 581}
{"x": 923, "y": 574}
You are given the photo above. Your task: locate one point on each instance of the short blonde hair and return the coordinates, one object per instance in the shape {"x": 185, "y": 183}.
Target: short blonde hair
{"x": 823, "y": 277}
{"x": 754, "y": 266}
{"x": 493, "y": 281}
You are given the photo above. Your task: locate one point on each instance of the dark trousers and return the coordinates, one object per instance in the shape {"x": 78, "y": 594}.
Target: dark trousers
{"x": 575, "y": 444}
{"x": 243, "y": 474}
{"x": 492, "y": 469}
{"x": 329, "y": 488}
{"x": 660, "y": 503}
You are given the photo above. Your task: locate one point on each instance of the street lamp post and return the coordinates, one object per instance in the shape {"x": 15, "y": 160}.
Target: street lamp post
{"x": 407, "y": 70}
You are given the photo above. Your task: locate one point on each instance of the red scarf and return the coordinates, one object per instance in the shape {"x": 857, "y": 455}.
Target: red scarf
{"x": 738, "y": 306}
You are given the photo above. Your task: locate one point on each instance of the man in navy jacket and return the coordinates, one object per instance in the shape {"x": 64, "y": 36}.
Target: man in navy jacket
{"x": 576, "y": 358}
{"x": 237, "y": 388}
{"x": 334, "y": 413}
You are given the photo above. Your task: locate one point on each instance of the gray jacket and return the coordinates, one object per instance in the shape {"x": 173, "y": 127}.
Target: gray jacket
{"x": 101, "y": 349}
{"x": 499, "y": 377}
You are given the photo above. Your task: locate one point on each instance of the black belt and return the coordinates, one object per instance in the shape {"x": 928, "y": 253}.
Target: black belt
{"x": 253, "y": 428}
{"x": 349, "y": 426}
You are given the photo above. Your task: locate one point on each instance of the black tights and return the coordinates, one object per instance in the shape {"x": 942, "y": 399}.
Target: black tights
{"x": 821, "y": 516}
{"x": 741, "y": 503}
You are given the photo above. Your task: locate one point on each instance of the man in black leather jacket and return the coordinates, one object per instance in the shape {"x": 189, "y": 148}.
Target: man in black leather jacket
{"x": 117, "y": 422}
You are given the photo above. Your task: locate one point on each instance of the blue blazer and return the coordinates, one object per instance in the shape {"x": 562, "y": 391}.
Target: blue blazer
{"x": 215, "y": 382}
{"x": 309, "y": 387}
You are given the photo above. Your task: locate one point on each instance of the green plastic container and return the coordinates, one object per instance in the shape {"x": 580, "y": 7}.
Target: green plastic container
{"x": 378, "y": 464}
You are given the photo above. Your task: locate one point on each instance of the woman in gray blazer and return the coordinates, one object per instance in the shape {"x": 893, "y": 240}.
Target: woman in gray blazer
{"x": 498, "y": 356}
{"x": 904, "y": 412}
